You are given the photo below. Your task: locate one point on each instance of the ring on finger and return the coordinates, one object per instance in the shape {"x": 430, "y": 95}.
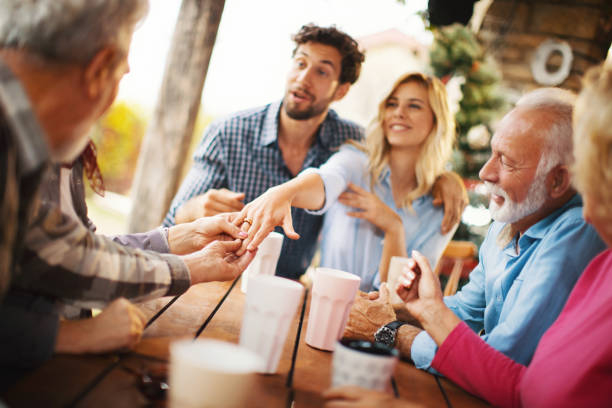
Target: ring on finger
{"x": 248, "y": 221}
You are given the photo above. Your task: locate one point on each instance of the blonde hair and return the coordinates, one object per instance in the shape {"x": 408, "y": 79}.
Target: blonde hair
{"x": 592, "y": 169}
{"x": 437, "y": 147}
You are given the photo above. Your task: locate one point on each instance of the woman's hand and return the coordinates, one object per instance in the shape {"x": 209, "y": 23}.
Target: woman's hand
{"x": 260, "y": 216}
{"x": 193, "y": 236}
{"x": 449, "y": 190}
{"x": 273, "y": 208}
{"x": 420, "y": 288}
{"x": 371, "y": 208}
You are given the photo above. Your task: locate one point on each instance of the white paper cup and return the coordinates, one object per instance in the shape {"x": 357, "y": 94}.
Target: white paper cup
{"x": 396, "y": 267}
{"x": 269, "y": 309}
{"x": 265, "y": 260}
{"x": 363, "y": 363}
{"x": 210, "y": 373}
{"x": 333, "y": 294}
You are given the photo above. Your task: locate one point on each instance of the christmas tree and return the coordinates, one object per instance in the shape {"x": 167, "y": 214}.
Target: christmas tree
{"x": 456, "y": 54}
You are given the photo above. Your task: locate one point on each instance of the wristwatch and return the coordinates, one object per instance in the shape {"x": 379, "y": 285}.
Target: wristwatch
{"x": 387, "y": 334}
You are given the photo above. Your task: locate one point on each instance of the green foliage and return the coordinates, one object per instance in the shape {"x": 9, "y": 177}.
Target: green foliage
{"x": 118, "y": 137}
{"x": 457, "y": 51}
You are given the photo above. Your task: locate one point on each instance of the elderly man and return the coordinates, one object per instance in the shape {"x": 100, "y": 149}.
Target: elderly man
{"x": 60, "y": 65}
{"x": 252, "y": 151}
{"x": 534, "y": 251}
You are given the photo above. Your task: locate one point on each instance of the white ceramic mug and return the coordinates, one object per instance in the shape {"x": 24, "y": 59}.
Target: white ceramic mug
{"x": 210, "y": 373}
{"x": 333, "y": 294}
{"x": 363, "y": 363}
{"x": 265, "y": 260}
{"x": 269, "y": 309}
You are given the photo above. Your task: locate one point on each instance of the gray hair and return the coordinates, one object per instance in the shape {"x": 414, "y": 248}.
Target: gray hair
{"x": 558, "y": 134}
{"x": 67, "y": 30}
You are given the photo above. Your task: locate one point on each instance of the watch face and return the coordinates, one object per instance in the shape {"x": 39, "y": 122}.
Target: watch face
{"x": 385, "y": 336}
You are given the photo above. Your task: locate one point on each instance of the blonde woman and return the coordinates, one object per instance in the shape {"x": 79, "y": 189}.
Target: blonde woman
{"x": 376, "y": 196}
{"x": 572, "y": 364}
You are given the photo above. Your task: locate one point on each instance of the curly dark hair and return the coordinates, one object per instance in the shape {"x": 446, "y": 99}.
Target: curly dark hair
{"x": 345, "y": 44}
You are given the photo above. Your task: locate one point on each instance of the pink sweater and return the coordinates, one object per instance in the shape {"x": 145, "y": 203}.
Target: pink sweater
{"x": 572, "y": 365}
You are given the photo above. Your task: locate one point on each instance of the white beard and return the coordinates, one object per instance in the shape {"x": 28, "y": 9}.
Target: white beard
{"x": 510, "y": 211}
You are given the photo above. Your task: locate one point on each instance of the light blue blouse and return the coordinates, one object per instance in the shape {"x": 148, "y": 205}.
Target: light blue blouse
{"x": 355, "y": 245}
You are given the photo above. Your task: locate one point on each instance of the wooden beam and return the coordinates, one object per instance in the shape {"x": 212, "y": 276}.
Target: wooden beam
{"x": 168, "y": 136}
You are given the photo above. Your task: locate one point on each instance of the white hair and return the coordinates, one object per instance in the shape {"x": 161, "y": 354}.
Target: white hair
{"x": 67, "y": 30}
{"x": 558, "y": 134}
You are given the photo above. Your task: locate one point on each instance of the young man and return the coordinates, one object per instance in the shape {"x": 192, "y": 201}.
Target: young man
{"x": 242, "y": 156}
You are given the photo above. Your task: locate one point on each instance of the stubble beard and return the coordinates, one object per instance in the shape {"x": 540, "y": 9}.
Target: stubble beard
{"x": 313, "y": 110}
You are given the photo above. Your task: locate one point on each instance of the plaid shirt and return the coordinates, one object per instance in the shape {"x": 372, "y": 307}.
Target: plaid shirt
{"x": 60, "y": 257}
{"x": 28, "y": 325}
{"x": 241, "y": 154}
{"x": 23, "y": 157}
{"x": 131, "y": 265}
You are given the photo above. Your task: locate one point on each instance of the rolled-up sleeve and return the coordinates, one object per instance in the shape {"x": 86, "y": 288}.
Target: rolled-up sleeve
{"x": 207, "y": 171}
{"x": 67, "y": 261}
{"x": 342, "y": 168}
{"x": 154, "y": 240}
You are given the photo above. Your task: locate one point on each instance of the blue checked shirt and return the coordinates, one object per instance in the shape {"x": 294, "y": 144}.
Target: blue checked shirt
{"x": 241, "y": 153}
{"x": 515, "y": 297}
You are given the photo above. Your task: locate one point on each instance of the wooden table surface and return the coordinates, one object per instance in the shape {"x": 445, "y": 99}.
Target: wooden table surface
{"x": 113, "y": 380}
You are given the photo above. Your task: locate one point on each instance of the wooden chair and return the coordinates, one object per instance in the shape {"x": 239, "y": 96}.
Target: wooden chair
{"x": 458, "y": 252}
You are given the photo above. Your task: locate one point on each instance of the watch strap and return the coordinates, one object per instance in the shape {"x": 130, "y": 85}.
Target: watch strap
{"x": 395, "y": 325}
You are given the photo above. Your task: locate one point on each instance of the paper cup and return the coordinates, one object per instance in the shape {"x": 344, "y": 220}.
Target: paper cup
{"x": 396, "y": 267}
{"x": 333, "y": 294}
{"x": 265, "y": 260}
{"x": 210, "y": 373}
{"x": 269, "y": 309}
{"x": 363, "y": 363}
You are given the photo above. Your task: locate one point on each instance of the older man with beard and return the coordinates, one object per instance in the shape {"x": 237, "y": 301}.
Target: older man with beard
{"x": 534, "y": 251}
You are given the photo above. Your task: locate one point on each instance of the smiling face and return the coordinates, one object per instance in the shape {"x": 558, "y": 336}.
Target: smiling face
{"x": 408, "y": 118}
{"x": 313, "y": 81}
{"x": 516, "y": 185}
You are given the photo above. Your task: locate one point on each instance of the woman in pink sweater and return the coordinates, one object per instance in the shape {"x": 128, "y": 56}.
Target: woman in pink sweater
{"x": 572, "y": 365}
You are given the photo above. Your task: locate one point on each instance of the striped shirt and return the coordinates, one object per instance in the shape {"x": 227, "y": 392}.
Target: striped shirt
{"x": 241, "y": 153}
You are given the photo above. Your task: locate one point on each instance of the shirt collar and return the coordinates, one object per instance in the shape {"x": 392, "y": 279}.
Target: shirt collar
{"x": 325, "y": 136}
{"x": 536, "y": 231}
{"x": 269, "y": 132}
{"x": 29, "y": 136}
{"x": 539, "y": 229}
{"x": 385, "y": 176}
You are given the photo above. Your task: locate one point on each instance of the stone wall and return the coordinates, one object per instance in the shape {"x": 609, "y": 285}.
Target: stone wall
{"x": 513, "y": 29}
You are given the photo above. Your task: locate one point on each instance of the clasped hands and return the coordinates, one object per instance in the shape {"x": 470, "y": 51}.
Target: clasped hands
{"x": 419, "y": 288}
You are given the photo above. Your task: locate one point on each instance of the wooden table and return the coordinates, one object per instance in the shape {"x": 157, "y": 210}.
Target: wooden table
{"x": 113, "y": 380}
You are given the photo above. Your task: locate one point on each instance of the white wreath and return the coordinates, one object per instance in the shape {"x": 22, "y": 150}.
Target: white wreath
{"x": 540, "y": 57}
